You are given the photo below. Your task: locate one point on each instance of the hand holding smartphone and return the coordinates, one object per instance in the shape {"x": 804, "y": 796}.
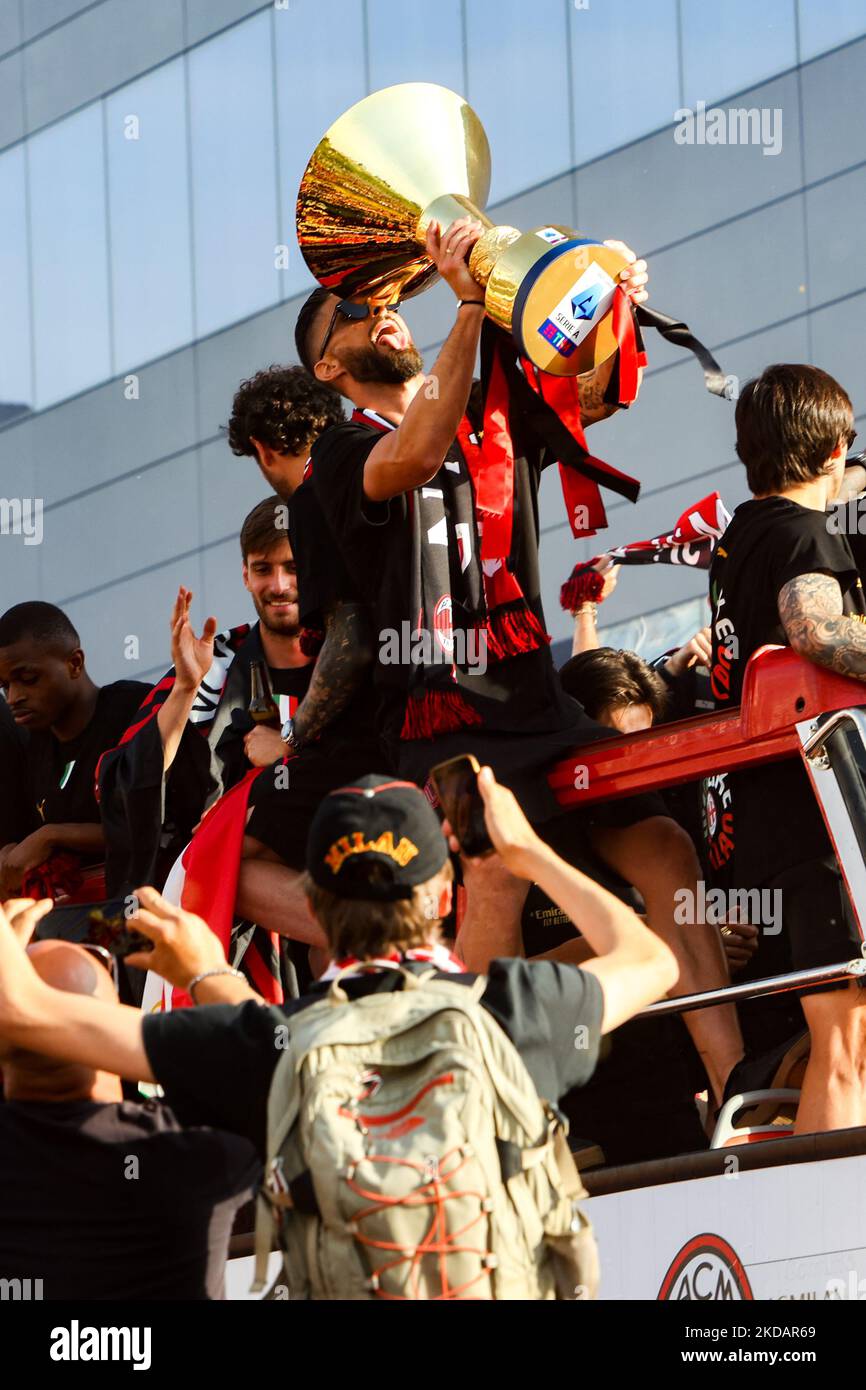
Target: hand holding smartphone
{"x": 456, "y": 783}
{"x": 94, "y": 924}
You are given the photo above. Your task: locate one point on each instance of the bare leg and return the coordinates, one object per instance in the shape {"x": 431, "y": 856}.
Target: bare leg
{"x": 491, "y": 924}
{"x": 269, "y": 894}
{"x": 658, "y": 858}
{"x": 833, "y": 1095}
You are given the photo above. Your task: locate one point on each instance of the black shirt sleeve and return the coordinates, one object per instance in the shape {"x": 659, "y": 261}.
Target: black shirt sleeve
{"x": 215, "y": 1064}
{"x": 360, "y": 527}
{"x": 323, "y": 579}
{"x": 805, "y": 546}
{"x": 552, "y": 1013}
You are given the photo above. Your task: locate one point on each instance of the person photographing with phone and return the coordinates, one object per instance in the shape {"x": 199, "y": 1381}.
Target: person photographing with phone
{"x": 379, "y": 882}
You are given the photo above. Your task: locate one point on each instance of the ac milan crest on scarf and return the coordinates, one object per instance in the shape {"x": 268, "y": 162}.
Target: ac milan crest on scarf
{"x": 691, "y": 542}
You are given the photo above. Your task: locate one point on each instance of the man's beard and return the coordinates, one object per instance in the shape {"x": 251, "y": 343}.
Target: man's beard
{"x": 280, "y": 627}
{"x": 388, "y": 369}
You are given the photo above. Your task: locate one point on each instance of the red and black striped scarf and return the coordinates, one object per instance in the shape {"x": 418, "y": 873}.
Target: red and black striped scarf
{"x": 466, "y": 605}
{"x": 221, "y": 688}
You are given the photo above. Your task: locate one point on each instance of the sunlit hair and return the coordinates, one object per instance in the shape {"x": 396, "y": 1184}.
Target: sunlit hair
{"x": 605, "y": 679}
{"x": 265, "y": 528}
{"x": 789, "y": 421}
{"x": 363, "y": 928}
{"x": 284, "y": 408}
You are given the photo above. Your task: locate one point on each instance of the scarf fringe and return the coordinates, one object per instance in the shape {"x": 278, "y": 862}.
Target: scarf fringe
{"x": 437, "y": 712}
{"x": 583, "y": 585}
{"x": 513, "y": 632}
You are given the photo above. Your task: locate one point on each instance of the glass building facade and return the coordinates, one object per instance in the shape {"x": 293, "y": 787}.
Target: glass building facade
{"x": 149, "y": 160}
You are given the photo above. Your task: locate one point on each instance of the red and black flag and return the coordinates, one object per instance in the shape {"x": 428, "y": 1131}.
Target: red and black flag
{"x": 690, "y": 542}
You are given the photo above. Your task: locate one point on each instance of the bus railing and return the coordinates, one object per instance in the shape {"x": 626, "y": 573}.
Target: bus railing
{"x": 790, "y": 708}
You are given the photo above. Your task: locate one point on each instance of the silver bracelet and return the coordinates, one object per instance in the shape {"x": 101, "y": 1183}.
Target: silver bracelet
{"x": 197, "y": 979}
{"x": 589, "y": 608}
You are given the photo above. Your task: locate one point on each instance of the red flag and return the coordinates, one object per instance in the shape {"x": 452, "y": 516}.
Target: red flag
{"x": 204, "y": 880}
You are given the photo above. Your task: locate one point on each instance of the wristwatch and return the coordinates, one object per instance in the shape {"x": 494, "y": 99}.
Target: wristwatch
{"x": 287, "y": 734}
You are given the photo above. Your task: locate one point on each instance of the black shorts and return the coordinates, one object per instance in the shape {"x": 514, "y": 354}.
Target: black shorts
{"x": 282, "y": 814}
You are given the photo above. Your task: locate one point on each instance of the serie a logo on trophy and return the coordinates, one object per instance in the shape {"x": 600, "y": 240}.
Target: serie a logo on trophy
{"x": 416, "y": 153}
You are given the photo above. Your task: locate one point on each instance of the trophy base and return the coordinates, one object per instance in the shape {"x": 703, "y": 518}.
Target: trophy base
{"x": 552, "y": 289}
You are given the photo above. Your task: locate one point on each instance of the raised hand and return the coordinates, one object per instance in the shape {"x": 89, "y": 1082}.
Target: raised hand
{"x": 449, "y": 252}
{"x": 191, "y": 656}
{"x": 24, "y": 914}
{"x": 697, "y": 651}
{"x": 183, "y": 944}
{"x": 634, "y": 276}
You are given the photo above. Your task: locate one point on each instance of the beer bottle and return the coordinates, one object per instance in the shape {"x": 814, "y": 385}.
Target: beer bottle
{"x": 261, "y": 708}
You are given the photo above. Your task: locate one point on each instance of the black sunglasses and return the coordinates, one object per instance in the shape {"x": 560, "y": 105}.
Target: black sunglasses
{"x": 350, "y": 310}
{"x": 852, "y": 435}
{"x": 107, "y": 959}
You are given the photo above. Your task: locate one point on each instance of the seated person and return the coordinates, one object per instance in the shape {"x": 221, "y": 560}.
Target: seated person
{"x": 101, "y": 1199}
{"x": 216, "y": 1064}
{"x": 615, "y": 687}
{"x": 640, "y": 1104}
{"x": 782, "y": 575}
{"x": 70, "y": 721}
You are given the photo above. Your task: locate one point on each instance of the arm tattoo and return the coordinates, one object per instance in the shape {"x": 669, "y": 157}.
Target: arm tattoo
{"x": 591, "y": 389}
{"x": 810, "y": 608}
{"x": 340, "y": 667}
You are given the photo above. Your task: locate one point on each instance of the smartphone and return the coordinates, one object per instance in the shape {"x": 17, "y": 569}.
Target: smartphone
{"x": 113, "y": 932}
{"x": 94, "y": 924}
{"x": 456, "y": 783}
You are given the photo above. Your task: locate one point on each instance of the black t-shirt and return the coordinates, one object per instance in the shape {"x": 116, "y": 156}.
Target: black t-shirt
{"x": 17, "y": 813}
{"x": 323, "y": 582}
{"x": 62, "y": 775}
{"x": 215, "y": 1064}
{"x": 105, "y": 1201}
{"x": 761, "y": 822}
{"x": 521, "y": 695}
{"x": 292, "y": 681}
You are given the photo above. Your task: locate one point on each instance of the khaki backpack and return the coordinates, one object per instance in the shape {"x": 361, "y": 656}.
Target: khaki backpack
{"x": 410, "y": 1157}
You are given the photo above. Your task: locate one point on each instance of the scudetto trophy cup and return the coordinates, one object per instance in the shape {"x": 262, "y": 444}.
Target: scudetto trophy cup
{"x": 416, "y": 153}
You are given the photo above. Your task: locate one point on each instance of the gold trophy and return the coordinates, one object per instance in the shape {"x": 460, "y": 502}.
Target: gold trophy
{"x": 416, "y": 153}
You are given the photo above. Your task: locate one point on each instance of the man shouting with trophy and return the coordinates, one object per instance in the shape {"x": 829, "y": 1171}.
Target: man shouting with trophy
{"x": 430, "y": 490}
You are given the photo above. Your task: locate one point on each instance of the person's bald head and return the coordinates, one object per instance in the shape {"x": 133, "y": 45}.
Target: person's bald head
{"x": 31, "y": 1076}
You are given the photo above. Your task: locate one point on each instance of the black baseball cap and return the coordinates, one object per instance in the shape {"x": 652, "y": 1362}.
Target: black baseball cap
{"x": 375, "y": 840}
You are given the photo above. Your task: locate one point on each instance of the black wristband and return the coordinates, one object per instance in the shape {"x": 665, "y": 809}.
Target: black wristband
{"x": 461, "y": 302}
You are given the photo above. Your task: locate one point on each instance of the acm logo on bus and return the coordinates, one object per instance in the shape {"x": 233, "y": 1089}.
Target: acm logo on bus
{"x": 706, "y": 1269}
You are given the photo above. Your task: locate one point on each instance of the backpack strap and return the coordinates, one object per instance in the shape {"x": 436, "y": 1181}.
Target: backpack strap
{"x": 279, "y": 1124}
{"x": 337, "y": 995}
